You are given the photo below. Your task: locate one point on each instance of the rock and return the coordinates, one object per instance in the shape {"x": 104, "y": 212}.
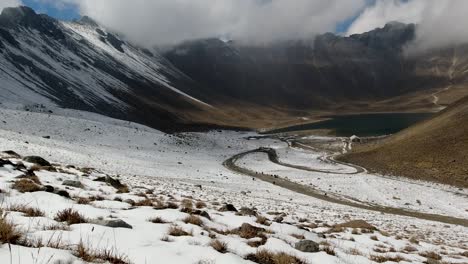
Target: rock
{"x": 202, "y": 214}
{"x": 46, "y": 137}
{"x": 5, "y": 162}
{"x": 278, "y": 219}
{"x": 308, "y": 246}
{"x": 12, "y": 154}
{"x": 112, "y": 182}
{"x": 245, "y": 211}
{"x": 49, "y": 188}
{"x": 63, "y": 193}
{"x": 228, "y": 208}
{"x": 117, "y": 224}
{"x": 37, "y": 160}
{"x": 71, "y": 183}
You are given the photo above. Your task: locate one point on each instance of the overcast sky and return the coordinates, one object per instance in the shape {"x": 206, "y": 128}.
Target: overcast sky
{"x": 152, "y": 22}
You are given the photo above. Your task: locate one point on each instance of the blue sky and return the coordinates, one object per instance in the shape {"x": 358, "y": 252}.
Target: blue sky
{"x": 67, "y": 12}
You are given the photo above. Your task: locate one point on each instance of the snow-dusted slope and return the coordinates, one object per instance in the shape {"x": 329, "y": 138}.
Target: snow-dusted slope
{"x": 80, "y": 65}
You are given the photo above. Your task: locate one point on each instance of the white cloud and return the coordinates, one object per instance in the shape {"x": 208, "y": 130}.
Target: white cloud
{"x": 9, "y": 3}
{"x": 440, "y": 22}
{"x": 169, "y": 21}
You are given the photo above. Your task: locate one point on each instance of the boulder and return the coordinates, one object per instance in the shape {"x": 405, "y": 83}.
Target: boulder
{"x": 12, "y": 154}
{"x": 63, "y": 193}
{"x": 308, "y": 246}
{"x": 117, "y": 224}
{"x": 228, "y": 208}
{"x": 36, "y": 160}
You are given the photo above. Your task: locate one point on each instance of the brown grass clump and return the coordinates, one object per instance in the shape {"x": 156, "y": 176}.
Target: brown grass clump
{"x": 70, "y": 216}
{"x": 266, "y": 257}
{"x": 219, "y": 246}
{"x": 330, "y": 250}
{"x": 431, "y": 255}
{"x": 409, "y": 248}
{"x": 194, "y": 220}
{"x": 157, "y": 220}
{"x": 26, "y": 185}
{"x": 177, "y": 231}
{"x": 375, "y": 238}
{"x": 187, "y": 204}
{"x": 258, "y": 241}
{"x": 26, "y": 210}
{"x": 248, "y": 231}
{"x": 8, "y": 232}
{"x": 91, "y": 255}
{"x": 385, "y": 258}
{"x": 145, "y": 202}
{"x": 56, "y": 227}
{"x": 83, "y": 200}
{"x": 200, "y": 204}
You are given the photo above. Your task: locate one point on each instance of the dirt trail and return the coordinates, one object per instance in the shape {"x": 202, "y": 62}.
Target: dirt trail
{"x": 309, "y": 191}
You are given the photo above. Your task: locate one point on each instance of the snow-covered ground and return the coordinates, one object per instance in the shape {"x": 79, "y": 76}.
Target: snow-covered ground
{"x": 171, "y": 168}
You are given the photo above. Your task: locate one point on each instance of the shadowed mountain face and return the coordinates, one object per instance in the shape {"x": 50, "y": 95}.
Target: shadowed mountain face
{"x": 81, "y": 65}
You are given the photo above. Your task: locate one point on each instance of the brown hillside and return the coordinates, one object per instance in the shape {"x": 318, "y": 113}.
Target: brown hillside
{"x": 435, "y": 150}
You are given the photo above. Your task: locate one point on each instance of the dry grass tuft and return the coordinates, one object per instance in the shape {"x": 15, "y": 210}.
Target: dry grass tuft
{"x": 56, "y": 227}
{"x": 219, "y": 246}
{"x": 101, "y": 256}
{"x": 70, "y": 216}
{"x": 200, "y": 204}
{"x": 409, "y": 248}
{"x": 145, "y": 202}
{"x": 375, "y": 238}
{"x": 385, "y": 258}
{"x": 26, "y": 210}
{"x": 187, "y": 204}
{"x": 26, "y": 185}
{"x": 330, "y": 250}
{"x": 194, "y": 220}
{"x": 266, "y": 257}
{"x": 177, "y": 231}
{"x": 298, "y": 236}
{"x": 431, "y": 255}
{"x": 83, "y": 200}
{"x": 9, "y": 234}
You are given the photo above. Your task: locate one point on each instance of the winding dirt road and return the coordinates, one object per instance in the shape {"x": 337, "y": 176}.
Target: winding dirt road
{"x": 318, "y": 194}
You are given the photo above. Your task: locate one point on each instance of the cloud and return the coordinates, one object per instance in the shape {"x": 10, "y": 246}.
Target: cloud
{"x": 440, "y": 22}
{"x": 169, "y": 21}
{"x": 9, "y": 3}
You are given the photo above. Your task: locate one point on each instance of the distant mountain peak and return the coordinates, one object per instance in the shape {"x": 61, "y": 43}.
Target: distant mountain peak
{"x": 86, "y": 20}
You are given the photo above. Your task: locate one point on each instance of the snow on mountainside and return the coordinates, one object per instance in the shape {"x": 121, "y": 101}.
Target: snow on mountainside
{"x": 82, "y": 66}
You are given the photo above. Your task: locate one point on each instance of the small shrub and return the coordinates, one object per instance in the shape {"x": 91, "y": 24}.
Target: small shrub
{"x": 266, "y": 257}
{"x": 194, "y": 220}
{"x": 219, "y": 246}
{"x": 8, "y": 232}
{"x": 26, "y": 210}
{"x": 70, "y": 216}
{"x": 26, "y": 185}
{"x": 177, "y": 231}
{"x": 430, "y": 255}
{"x": 200, "y": 204}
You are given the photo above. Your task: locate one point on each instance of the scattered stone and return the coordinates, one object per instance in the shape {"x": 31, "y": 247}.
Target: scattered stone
{"x": 37, "y": 160}
{"x": 49, "y": 188}
{"x": 46, "y": 137}
{"x": 71, "y": 183}
{"x": 308, "y": 246}
{"x": 63, "y": 193}
{"x": 117, "y": 224}
{"x": 202, "y": 214}
{"x": 5, "y": 162}
{"x": 228, "y": 208}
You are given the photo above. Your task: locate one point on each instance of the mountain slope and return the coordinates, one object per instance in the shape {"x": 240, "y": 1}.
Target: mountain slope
{"x": 82, "y": 66}
{"x": 432, "y": 150}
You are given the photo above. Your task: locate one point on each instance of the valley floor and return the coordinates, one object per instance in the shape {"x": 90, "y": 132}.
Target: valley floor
{"x": 173, "y": 178}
